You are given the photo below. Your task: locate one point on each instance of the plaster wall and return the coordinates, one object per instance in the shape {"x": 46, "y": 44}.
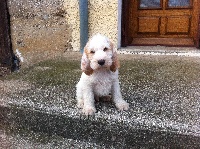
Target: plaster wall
{"x": 103, "y": 18}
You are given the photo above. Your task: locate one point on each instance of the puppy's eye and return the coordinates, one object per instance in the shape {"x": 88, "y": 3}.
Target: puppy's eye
{"x": 92, "y": 52}
{"x": 105, "y": 49}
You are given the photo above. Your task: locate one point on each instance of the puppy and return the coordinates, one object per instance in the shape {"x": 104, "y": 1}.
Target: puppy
{"x": 99, "y": 65}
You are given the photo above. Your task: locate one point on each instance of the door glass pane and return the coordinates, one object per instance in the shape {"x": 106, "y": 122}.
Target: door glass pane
{"x": 179, "y": 3}
{"x": 149, "y": 3}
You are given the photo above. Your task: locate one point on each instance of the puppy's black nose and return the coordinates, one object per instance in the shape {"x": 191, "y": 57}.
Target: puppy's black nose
{"x": 101, "y": 62}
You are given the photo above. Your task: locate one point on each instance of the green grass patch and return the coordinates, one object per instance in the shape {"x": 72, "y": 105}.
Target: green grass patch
{"x": 50, "y": 73}
{"x": 145, "y": 70}
{"x": 140, "y": 71}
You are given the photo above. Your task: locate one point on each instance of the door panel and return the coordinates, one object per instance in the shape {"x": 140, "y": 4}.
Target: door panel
{"x": 163, "y": 20}
{"x": 148, "y": 25}
{"x": 178, "y": 25}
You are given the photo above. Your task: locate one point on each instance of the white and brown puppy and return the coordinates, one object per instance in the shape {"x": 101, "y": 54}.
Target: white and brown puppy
{"x": 100, "y": 65}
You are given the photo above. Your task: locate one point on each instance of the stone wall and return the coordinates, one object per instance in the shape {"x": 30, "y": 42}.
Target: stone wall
{"x": 39, "y": 28}
{"x": 43, "y": 28}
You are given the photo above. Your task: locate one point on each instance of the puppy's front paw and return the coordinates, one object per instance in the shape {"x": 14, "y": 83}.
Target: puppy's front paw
{"x": 122, "y": 105}
{"x": 89, "y": 110}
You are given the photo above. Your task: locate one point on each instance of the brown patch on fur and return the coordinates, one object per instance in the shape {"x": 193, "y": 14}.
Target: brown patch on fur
{"x": 86, "y": 65}
{"x": 111, "y": 45}
{"x": 88, "y": 71}
{"x": 115, "y": 64}
{"x": 88, "y": 53}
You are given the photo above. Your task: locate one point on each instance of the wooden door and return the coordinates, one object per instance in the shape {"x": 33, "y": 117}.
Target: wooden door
{"x": 161, "y": 22}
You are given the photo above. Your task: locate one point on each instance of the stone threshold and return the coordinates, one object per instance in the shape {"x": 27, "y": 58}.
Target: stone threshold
{"x": 160, "y": 50}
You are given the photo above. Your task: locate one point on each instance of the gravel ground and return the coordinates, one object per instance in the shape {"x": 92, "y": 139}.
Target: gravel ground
{"x": 32, "y": 140}
{"x": 163, "y": 92}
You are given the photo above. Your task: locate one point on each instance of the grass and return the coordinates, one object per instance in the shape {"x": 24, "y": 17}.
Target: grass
{"x": 139, "y": 71}
{"x": 57, "y": 73}
{"x": 148, "y": 71}
{"x": 50, "y": 73}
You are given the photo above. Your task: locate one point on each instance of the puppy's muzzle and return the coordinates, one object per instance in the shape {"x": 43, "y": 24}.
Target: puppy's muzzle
{"x": 101, "y": 62}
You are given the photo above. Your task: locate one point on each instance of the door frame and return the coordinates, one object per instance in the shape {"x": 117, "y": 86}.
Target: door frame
{"x": 125, "y": 19}
{"x": 124, "y": 25}
{"x": 198, "y": 32}
{"x": 6, "y": 52}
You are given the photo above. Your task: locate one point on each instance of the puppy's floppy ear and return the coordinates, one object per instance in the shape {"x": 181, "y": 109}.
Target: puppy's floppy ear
{"x": 115, "y": 62}
{"x": 85, "y": 64}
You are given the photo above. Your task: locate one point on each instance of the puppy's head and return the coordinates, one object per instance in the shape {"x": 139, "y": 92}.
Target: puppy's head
{"x": 99, "y": 54}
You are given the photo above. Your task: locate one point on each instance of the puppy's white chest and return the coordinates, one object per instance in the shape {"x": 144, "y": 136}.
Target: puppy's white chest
{"x": 102, "y": 84}
{"x": 102, "y": 88}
